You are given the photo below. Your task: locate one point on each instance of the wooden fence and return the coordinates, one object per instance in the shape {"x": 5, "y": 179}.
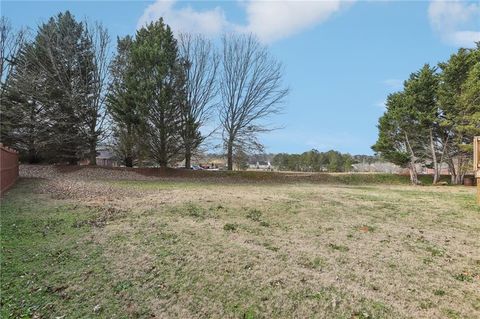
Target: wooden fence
{"x": 8, "y": 167}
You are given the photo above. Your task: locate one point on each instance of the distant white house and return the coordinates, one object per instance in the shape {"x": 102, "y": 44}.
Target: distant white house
{"x": 260, "y": 165}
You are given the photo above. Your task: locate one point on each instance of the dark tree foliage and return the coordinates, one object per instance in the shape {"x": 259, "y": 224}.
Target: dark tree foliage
{"x": 23, "y": 115}
{"x": 55, "y": 92}
{"x": 125, "y": 111}
{"x": 433, "y": 120}
{"x": 155, "y": 78}
{"x": 314, "y": 161}
{"x": 63, "y": 53}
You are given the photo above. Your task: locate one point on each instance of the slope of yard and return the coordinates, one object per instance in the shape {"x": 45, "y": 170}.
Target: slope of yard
{"x": 93, "y": 247}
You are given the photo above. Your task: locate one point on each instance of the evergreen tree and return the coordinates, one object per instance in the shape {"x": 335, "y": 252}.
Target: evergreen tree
{"x": 63, "y": 53}
{"x": 469, "y": 120}
{"x": 123, "y": 106}
{"x": 24, "y": 124}
{"x": 453, "y": 76}
{"x": 154, "y": 77}
{"x": 421, "y": 98}
{"x": 398, "y": 138}
{"x": 54, "y": 97}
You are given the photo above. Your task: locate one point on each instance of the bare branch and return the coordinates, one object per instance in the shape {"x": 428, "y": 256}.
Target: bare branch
{"x": 200, "y": 64}
{"x": 11, "y": 42}
{"x": 251, "y": 90}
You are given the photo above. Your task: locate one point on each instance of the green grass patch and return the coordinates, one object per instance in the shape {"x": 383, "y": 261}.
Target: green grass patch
{"x": 230, "y": 227}
{"x": 50, "y": 266}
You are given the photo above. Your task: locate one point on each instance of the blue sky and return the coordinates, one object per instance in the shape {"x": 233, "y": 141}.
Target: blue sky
{"x": 341, "y": 58}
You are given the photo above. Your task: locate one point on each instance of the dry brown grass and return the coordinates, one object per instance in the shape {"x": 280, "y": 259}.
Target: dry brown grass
{"x": 196, "y": 250}
{"x": 314, "y": 250}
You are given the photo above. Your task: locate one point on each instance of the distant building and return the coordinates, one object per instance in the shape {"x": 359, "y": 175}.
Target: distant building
{"x": 105, "y": 157}
{"x": 260, "y": 165}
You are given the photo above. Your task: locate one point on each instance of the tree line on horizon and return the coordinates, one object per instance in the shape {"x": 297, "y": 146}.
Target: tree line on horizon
{"x": 63, "y": 93}
{"x": 432, "y": 121}
{"x": 315, "y": 161}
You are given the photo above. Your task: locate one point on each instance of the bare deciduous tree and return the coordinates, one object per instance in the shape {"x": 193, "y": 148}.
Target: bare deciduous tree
{"x": 200, "y": 63}
{"x": 95, "y": 112}
{"x": 11, "y": 42}
{"x": 251, "y": 90}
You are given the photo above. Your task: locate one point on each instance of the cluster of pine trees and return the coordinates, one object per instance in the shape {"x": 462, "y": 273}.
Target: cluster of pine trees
{"x": 314, "y": 161}
{"x": 62, "y": 93}
{"x": 52, "y": 90}
{"x": 433, "y": 120}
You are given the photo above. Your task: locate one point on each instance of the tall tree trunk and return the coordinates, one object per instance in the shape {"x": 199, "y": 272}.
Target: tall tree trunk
{"x": 129, "y": 141}
{"x": 436, "y": 173}
{"x": 162, "y": 161}
{"x": 32, "y": 155}
{"x": 413, "y": 173}
{"x": 412, "y": 169}
{"x": 460, "y": 171}
{"x": 92, "y": 155}
{"x": 230, "y": 155}
{"x": 452, "y": 171}
{"x": 442, "y": 156}
{"x": 188, "y": 156}
{"x": 128, "y": 161}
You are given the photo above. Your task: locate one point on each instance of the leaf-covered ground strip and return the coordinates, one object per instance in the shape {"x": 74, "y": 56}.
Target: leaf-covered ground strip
{"x": 180, "y": 249}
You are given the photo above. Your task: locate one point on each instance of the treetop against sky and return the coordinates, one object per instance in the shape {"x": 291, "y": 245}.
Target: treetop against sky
{"x": 341, "y": 58}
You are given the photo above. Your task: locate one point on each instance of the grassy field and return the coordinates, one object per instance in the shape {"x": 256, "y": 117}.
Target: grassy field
{"x": 206, "y": 249}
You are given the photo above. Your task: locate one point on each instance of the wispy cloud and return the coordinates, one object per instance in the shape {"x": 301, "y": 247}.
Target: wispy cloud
{"x": 270, "y": 20}
{"x": 456, "y": 22}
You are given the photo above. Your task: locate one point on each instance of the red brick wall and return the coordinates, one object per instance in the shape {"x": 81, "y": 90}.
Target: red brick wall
{"x": 8, "y": 167}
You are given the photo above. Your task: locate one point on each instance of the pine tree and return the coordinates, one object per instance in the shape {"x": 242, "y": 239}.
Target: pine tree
{"x": 62, "y": 53}
{"x": 55, "y": 95}
{"x": 469, "y": 121}
{"x": 454, "y": 74}
{"x": 398, "y": 136}
{"x": 421, "y": 98}
{"x": 24, "y": 125}
{"x": 154, "y": 79}
{"x": 123, "y": 107}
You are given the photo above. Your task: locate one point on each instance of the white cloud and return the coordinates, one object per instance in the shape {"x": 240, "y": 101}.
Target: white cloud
{"x": 185, "y": 19}
{"x": 273, "y": 20}
{"x": 457, "y": 22}
{"x": 270, "y": 20}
